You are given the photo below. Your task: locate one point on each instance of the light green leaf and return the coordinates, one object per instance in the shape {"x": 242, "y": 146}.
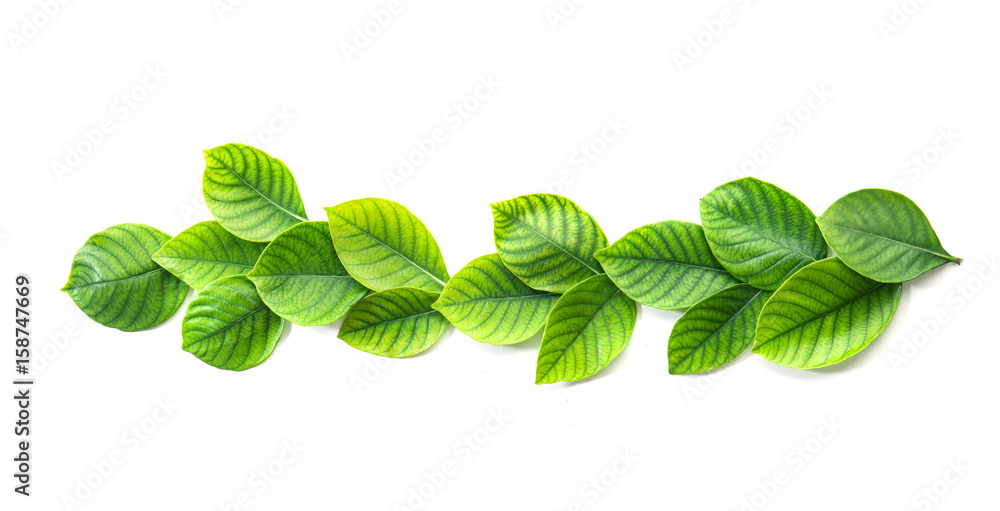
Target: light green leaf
{"x": 667, "y": 265}
{"x": 383, "y": 245}
{"x": 115, "y": 281}
{"x": 228, "y": 326}
{"x": 205, "y": 252}
{"x": 587, "y": 328}
{"x": 301, "y": 279}
{"x": 715, "y": 330}
{"x": 252, "y": 195}
{"x": 883, "y": 235}
{"x": 395, "y": 323}
{"x": 547, "y": 241}
{"x": 825, "y": 313}
{"x": 759, "y": 232}
{"x": 485, "y": 301}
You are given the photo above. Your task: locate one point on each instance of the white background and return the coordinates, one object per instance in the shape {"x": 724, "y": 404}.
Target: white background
{"x": 341, "y": 125}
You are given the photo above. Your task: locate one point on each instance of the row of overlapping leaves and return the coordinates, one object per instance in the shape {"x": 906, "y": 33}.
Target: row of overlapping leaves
{"x": 756, "y": 272}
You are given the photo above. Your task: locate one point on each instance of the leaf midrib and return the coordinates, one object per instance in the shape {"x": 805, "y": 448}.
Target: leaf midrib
{"x": 258, "y": 192}
{"x": 391, "y": 248}
{"x": 666, "y": 261}
{"x": 114, "y": 281}
{"x": 824, "y": 314}
{"x": 201, "y": 260}
{"x": 546, "y": 238}
{"x": 227, "y": 327}
{"x": 394, "y": 320}
{"x": 762, "y": 234}
{"x": 501, "y": 299}
{"x": 898, "y": 242}
{"x": 580, "y": 332}
{"x": 717, "y": 330}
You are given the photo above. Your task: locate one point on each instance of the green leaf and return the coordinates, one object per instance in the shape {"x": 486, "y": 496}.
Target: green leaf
{"x": 206, "y": 252}
{"x": 667, "y": 265}
{"x": 587, "y": 328}
{"x": 115, "y": 281}
{"x": 547, "y": 241}
{"x": 759, "y": 232}
{"x": 715, "y": 330}
{"x": 395, "y": 323}
{"x": 883, "y": 235}
{"x": 825, "y": 313}
{"x": 487, "y": 302}
{"x": 301, "y": 279}
{"x": 384, "y": 246}
{"x": 228, "y": 326}
{"x": 252, "y": 195}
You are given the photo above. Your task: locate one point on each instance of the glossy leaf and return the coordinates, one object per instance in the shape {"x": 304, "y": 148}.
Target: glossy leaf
{"x": 667, "y": 265}
{"x": 822, "y": 315}
{"x": 301, "y": 279}
{"x": 206, "y": 252}
{"x": 547, "y": 241}
{"x": 487, "y": 302}
{"x": 715, "y": 330}
{"x": 883, "y": 235}
{"x": 587, "y": 328}
{"x": 759, "y": 232}
{"x": 115, "y": 281}
{"x": 383, "y": 245}
{"x": 398, "y": 322}
{"x": 228, "y": 326}
{"x": 252, "y": 195}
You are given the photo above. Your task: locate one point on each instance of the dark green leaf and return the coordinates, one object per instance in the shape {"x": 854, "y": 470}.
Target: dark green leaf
{"x": 883, "y": 235}
{"x": 115, "y": 281}
{"x": 396, "y": 323}
{"x": 759, "y": 232}
{"x": 715, "y": 330}
{"x": 822, "y": 315}
{"x": 206, "y": 252}
{"x": 547, "y": 241}
{"x": 228, "y": 326}
{"x": 301, "y": 279}
{"x": 667, "y": 265}
{"x": 587, "y": 328}
{"x": 488, "y": 303}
